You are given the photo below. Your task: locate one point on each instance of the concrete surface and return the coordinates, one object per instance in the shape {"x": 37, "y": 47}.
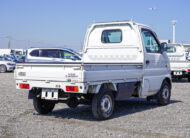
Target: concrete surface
{"x": 132, "y": 118}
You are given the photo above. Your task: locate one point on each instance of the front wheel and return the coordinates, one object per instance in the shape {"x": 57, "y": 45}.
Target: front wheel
{"x": 103, "y": 104}
{"x": 43, "y": 106}
{"x": 3, "y": 68}
{"x": 163, "y": 96}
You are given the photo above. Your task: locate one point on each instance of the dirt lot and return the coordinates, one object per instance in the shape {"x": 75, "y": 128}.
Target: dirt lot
{"x": 132, "y": 118}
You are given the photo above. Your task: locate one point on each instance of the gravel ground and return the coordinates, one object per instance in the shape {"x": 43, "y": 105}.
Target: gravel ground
{"x": 132, "y": 118}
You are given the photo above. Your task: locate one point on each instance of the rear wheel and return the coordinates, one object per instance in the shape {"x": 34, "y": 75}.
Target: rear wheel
{"x": 163, "y": 96}
{"x": 3, "y": 68}
{"x": 103, "y": 104}
{"x": 43, "y": 106}
{"x": 149, "y": 98}
{"x": 179, "y": 78}
{"x": 188, "y": 78}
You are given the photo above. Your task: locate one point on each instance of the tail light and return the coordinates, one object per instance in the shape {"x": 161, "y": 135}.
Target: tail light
{"x": 24, "y": 86}
{"x": 188, "y": 70}
{"x": 72, "y": 88}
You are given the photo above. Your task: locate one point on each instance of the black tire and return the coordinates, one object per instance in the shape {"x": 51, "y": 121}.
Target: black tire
{"x": 188, "y": 78}
{"x": 163, "y": 96}
{"x": 103, "y": 104}
{"x": 149, "y": 98}
{"x": 179, "y": 78}
{"x": 43, "y": 106}
{"x": 3, "y": 68}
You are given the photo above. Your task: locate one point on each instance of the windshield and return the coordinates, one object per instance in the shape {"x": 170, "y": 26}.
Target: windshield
{"x": 4, "y": 59}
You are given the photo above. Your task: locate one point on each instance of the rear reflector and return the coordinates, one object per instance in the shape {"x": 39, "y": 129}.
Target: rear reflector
{"x": 72, "y": 88}
{"x": 24, "y": 86}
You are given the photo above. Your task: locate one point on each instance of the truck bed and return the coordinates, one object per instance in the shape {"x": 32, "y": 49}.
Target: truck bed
{"x": 180, "y": 65}
{"x": 52, "y": 74}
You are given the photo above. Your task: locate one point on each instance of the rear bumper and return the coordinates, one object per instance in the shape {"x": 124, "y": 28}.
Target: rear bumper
{"x": 180, "y": 74}
{"x": 53, "y": 85}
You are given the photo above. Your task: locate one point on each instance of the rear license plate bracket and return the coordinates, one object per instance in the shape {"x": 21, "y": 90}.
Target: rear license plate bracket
{"x": 177, "y": 73}
{"x": 49, "y": 94}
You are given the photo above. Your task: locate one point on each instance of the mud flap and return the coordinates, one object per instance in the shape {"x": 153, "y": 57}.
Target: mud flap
{"x": 31, "y": 95}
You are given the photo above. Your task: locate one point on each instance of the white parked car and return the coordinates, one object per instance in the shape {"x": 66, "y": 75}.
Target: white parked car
{"x": 188, "y": 55}
{"x": 120, "y": 60}
{"x": 5, "y": 51}
{"x": 6, "y": 64}
{"x": 51, "y": 54}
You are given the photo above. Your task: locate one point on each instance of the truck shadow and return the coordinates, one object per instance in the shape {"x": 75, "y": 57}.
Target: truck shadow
{"x": 122, "y": 108}
{"x": 184, "y": 80}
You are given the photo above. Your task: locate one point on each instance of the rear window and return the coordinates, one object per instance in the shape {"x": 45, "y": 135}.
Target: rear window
{"x": 111, "y": 36}
{"x": 170, "y": 49}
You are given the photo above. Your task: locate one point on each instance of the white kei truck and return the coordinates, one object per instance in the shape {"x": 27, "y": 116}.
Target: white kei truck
{"x": 120, "y": 60}
{"x": 180, "y": 66}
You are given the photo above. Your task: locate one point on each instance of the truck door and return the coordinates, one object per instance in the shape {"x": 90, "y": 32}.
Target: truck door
{"x": 155, "y": 64}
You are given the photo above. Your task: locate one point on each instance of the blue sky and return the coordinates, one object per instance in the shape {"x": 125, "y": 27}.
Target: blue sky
{"x": 64, "y": 22}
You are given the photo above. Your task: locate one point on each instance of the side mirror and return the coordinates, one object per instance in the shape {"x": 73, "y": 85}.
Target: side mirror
{"x": 163, "y": 47}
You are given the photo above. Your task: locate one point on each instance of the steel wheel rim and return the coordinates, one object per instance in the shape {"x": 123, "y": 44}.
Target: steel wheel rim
{"x": 165, "y": 93}
{"x": 106, "y": 104}
{"x": 2, "y": 69}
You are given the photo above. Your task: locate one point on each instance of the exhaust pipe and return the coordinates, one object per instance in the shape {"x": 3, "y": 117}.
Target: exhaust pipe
{"x": 72, "y": 102}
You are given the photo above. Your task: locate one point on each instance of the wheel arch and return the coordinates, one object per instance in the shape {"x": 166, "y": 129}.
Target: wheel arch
{"x": 96, "y": 88}
{"x": 168, "y": 80}
{"x": 110, "y": 86}
{"x": 3, "y": 65}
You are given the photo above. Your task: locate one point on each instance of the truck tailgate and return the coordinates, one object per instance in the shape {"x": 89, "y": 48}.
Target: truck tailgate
{"x": 180, "y": 65}
{"x": 49, "y": 72}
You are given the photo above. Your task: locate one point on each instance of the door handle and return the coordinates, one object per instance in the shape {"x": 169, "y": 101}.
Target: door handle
{"x": 147, "y": 61}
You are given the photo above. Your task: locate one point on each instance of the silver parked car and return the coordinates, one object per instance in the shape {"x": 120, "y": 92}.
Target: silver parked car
{"x": 53, "y": 54}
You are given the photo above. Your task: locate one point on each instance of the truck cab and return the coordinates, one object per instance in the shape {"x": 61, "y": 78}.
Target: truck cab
{"x": 120, "y": 60}
{"x": 176, "y": 52}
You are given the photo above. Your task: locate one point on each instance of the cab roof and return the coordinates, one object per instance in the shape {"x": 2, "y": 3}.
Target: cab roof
{"x": 118, "y": 22}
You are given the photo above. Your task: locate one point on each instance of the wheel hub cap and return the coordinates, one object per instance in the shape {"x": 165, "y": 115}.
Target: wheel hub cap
{"x": 165, "y": 93}
{"x": 106, "y": 104}
{"x": 2, "y": 69}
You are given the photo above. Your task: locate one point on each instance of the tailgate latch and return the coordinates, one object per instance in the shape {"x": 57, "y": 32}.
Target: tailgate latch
{"x": 47, "y": 81}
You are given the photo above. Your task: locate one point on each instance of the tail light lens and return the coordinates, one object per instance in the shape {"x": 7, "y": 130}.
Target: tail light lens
{"x": 72, "y": 88}
{"x": 188, "y": 70}
{"x": 24, "y": 86}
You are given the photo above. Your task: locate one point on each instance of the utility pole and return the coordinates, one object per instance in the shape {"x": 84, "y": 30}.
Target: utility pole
{"x": 174, "y": 23}
{"x": 9, "y": 42}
